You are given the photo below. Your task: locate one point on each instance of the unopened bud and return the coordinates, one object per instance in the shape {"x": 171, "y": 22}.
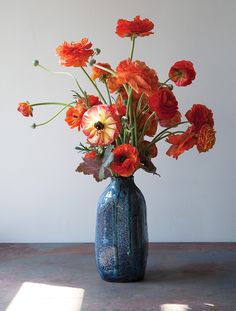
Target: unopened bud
{"x": 35, "y": 62}
{"x": 97, "y": 51}
{"x": 124, "y": 119}
{"x": 92, "y": 62}
{"x": 33, "y": 126}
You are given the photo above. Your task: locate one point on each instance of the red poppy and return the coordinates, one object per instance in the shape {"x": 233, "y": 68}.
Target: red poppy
{"x": 182, "y": 73}
{"x": 181, "y": 142}
{"x": 25, "y": 109}
{"x": 164, "y": 103}
{"x": 126, "y": 160}
{"x": 206, "y": 138}
{"x": 138, "y": 75}
{"x": 199, "y": 115}
{"x": 101, "y": 74}
{"x": 92, "y": 100}
{"x": 75, "y": 54}
{"x": 137, "y": 27}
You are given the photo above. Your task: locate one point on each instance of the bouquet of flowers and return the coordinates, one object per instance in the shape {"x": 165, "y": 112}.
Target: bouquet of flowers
{"x": 131, "y": 104}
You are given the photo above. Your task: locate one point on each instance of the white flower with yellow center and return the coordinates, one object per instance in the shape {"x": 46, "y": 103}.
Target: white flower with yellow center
{"x": 100, "y": 125}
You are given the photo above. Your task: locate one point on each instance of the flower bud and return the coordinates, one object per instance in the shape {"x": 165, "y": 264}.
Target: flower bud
{"x": 124, "y": 119}
{"x": 35, "y": 62}
{"x": 97, "y": 51}
{"x": 92, "y": 62}
{"x": 33, "y": 126}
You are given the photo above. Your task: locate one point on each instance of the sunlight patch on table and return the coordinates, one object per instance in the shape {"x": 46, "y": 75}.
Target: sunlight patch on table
{"x": 174, "y": 307}
{"x": 43, "y": 297}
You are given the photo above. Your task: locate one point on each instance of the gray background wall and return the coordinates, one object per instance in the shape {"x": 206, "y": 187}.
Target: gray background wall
{"x": 42, "y": 198}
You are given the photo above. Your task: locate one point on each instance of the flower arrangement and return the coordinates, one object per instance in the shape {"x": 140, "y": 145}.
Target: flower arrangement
{"x": 137, "y": 105}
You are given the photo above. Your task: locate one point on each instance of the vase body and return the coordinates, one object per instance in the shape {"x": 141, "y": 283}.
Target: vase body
{"x": 121, "y": 244}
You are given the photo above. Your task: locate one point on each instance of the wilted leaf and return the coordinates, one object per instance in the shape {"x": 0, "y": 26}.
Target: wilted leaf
{"x": 148, "y": 166}
{"x": 92, "y": 167}
{"x": 106, "y": 161}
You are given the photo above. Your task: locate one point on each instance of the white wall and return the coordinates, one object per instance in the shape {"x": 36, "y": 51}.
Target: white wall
{"x": 42, "y": 198}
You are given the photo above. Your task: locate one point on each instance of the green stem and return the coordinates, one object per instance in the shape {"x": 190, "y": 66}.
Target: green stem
{"x": 64, "y": 73}
{"x": 52, "y": 118}
{"x": 155, "y": 139}
{"x": 108, "y": 93}
{"x": 106, "y": 69}
{"x": 145, "y": 125}
{"x": 48, "y": 103}
{"x": 170, "y": 78}
{"x": 88, "y": 76}
{"x": 132, "y": 47}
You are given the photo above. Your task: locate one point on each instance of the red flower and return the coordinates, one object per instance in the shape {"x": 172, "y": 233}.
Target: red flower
{"x": 90, "y": 155}
{"x": 101, "y": 74}
{"x": 199, "y": 115}
{"x": 182, "y": 73}
{"x": 138, "y": 75}
{"x": 206, "y": 138}
{"x": 93, "y": 101}
{"x": 181, "y": 142}
{"x": 150, "y": 152}
{"x": 119, "y": 108}
{"x": 138, "y": 27}
{"x": 126, "y": 160}
{"x": 75, "y": 54}
{"x": 25, "y": 109}
{"x": 164, "y": 103}
{"x": 172, "y": 121}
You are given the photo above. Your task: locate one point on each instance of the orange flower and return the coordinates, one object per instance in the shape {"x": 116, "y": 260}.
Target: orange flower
{"x": 182, "y": 73}
{"x": 181, "y": 142}
{"x": 100, "y": 125}
{"x": 151, "y": 127}
{"x": 101, "y": 74}
{"x": 138, "y": 75}
{"x": 199, "y": 115}
{"x": 119, "y": 108}
{"x": 75, "y": 54}
{"x": 126, "y": 160}
{"x": 74, "y": 116}
{"x": 150, "y": 152}
{"x": 138, "y": 27}
{"x": 25, "y": 109}
{"x": 164, "y": 103}
{"x": 172, "y": 121}
{"x": 206, "y": 138}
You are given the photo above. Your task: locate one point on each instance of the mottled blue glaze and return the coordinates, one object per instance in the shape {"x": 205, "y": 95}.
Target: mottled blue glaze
{"x": 121, "y": 232}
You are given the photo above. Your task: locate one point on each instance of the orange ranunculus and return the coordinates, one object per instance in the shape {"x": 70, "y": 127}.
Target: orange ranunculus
{"x": 74, "y": 116}
{"x": 172, "y": 121}
{"x": 25, "y": 109}
{"x": 126, "y": 160}
{"x": 150, "y": 152}
{"x": 199, "y": 115}
{"x": 206, "y": 138}
{"x": 151, "y": 127}
{"x": 164, "y": 103}
{"x": 90, "y": 155}
{"x": 181, "y": 142}
{"x": 101, "y": 74}
{"x": 138, "y": 27}
{"x": 75, "y": 54}
{"x": 100, "y": 125}
{"x": 182, "y": 73}
{"x": 138, "y": 75}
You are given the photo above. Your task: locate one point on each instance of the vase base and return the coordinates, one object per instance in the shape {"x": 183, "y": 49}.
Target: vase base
{"x": 122, "y": 279}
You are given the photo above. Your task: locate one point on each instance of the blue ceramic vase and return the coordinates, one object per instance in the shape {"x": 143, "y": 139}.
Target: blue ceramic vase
{"x": 121, "y": 245}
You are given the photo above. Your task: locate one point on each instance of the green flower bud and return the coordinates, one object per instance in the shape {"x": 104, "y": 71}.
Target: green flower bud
{"x": 97, "y": 51}
{"x": 35, "y": 62}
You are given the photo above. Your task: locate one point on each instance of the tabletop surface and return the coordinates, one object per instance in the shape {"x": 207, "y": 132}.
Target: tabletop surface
{"x": 63, "y": 277}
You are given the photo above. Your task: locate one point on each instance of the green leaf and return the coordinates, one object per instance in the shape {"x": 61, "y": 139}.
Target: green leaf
{"x": 106, "y": 161}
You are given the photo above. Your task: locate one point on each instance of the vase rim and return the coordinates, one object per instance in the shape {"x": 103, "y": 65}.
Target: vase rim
{"x": 123, "y": 178}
